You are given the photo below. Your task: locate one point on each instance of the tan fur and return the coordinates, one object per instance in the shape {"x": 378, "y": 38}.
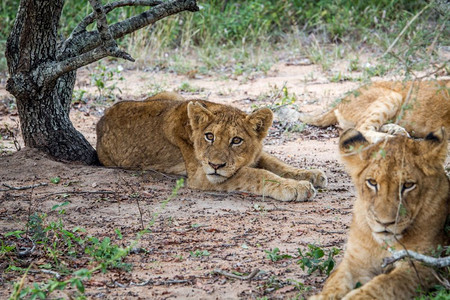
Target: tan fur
{"x": 168, "y": 134}
{"x": 370, "y": 107}
{"x": 380, "y": 221}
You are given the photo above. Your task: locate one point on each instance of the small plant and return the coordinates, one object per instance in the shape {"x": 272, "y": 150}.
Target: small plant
{"x": 105, "y": 80}
{"x": 199, "y": 253}
{"x": 187, "y": 88}
{"x": 55, "y": 180}
{"x": 274, "y": 255}
{"x": 316, "y": 259}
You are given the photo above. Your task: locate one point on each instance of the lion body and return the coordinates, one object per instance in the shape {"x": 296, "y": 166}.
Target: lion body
{"x": 403, "y": 202}
{"x": 418, "y": 107}
{"x": 168, "y": 134}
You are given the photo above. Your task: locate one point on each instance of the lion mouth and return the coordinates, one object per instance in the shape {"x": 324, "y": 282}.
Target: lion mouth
{"x": 385, "y": 236}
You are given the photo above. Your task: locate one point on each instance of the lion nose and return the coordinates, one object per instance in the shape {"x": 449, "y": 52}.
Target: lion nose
{"x": 386, "y": 223}
{"x": 216, "y": 166}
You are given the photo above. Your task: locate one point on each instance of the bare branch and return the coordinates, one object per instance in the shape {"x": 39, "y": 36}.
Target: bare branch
{"x": 439, "y": 262}
{"x": 108, "y": 42}
{"x": 88, "y": 47}
{"x": 89, "y": 40}
{"x": 89, "y": 19}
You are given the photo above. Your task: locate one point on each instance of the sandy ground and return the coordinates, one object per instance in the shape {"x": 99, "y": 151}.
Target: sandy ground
{"x": 235, "y": 228}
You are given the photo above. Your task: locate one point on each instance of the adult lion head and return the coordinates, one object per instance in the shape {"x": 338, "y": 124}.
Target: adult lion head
{"x": 226, "y": 139}
{"x": 399, "y": 181}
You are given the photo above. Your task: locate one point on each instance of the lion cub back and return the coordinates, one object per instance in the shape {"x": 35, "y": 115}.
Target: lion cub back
{"x": 131, "y": 135}
{"x": 419, "y": 107}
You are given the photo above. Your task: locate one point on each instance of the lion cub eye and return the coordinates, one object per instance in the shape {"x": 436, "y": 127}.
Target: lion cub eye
{"x": 372, "y": 183}
{"x": 209, "y": 137}
{"x": 236, "y": 141}
{"x": 407, "y": 186}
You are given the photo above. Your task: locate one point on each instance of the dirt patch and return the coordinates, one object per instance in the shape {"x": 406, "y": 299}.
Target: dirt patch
{"x": 236, "y": 229}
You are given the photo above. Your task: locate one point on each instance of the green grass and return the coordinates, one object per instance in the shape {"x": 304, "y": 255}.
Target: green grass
{"x": 243, "y": 36}
{"x": 70, "y": 255}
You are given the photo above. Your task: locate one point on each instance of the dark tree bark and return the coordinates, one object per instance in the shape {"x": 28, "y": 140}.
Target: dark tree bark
{"x": 42, "y": 67}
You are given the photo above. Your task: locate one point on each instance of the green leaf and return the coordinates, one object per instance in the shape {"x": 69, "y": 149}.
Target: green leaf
{"x": 55, "y": 180}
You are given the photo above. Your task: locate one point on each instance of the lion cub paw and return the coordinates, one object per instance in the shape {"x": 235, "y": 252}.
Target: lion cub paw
{"x": 318, "y": 178}
{"x": 315, "y": 176}
{"x": 394, "y": 129}
{"x": 293, "y": 190}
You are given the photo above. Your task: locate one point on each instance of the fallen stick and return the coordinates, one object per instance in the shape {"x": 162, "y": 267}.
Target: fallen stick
{"x": 231, "y": 275}
{"x": 21, "y": 188}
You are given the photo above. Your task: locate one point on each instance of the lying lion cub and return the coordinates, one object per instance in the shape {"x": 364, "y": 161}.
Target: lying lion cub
{"x": 219, "y": 147}
{"x": 403, "y": 201}
{"x": 375, "y": 109}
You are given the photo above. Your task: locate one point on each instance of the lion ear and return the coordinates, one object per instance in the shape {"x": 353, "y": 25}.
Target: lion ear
{"x": 198, "y": 114}
{"x": 261, "y": 120}
{"x": 434, "y": 146}
{"x": 351, "y": 144}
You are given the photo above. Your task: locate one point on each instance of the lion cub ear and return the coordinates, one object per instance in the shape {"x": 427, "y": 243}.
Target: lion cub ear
{"x": 351, "y": 144}
{"x": 261, "y": 120}
{"x": 434, "y": 146}
{"x": 198, "y": 114}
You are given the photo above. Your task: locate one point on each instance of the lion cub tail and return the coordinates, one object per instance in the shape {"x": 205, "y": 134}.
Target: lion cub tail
{"x": 324, "y": 119}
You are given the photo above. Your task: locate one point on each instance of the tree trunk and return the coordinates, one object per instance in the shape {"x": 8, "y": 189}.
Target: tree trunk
{"x": 42, "y": 67}
{"x": 43, "y": 108}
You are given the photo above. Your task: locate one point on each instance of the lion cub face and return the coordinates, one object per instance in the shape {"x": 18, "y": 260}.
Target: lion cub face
{"x": 225, "y": 141}
{"x": 393, "y": 178}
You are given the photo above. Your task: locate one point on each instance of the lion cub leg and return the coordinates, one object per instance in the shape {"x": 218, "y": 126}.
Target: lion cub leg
{"x": 401, "y": 283}
{"x": 259, "y": 182}
{"x": 379, "y": 113}
{"x": 338, "y": 284}
{"x": 274, "y": 165}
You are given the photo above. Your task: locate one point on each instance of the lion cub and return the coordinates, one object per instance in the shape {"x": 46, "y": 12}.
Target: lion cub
{"x": 219, "y": 147}
{"x": 376, "y": 109}
{"x": 403, "y": 202}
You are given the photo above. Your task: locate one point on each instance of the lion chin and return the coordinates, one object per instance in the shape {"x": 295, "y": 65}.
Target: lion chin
{"x": 216, "y": 178}
{"x": 386, "y": 238}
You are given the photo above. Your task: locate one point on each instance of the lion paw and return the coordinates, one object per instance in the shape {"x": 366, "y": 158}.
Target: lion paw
{"x": 394, "y": 129}
{"x": 315, "y": 176}
{"x": 318, "y": 178}
{"x": 298, "y": 191}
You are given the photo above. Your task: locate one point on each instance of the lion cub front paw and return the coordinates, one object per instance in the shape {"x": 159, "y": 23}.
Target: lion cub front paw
{"x": 315, "y": 176}
{"x": 292, "y": 190}
{"x": 318, "y": 178}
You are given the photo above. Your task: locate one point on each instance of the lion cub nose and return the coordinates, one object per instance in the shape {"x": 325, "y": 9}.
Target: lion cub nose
{"x": 216, "y": 166}
{"x": 386, "y": 223}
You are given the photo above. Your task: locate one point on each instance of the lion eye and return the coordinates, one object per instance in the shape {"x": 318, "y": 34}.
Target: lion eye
{"x": 209, "y": 137}
{"x": 372, "y": 183}
{"x": 236, "y": 141}
{"x": 407, "y": 186}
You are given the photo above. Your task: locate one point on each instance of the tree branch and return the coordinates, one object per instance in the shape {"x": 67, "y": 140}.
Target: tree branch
{"x": 88, "y": 47}
{"x": 428, "y": 260}
{"x": 89, "y": 19}
{"x": 89, "y": 40}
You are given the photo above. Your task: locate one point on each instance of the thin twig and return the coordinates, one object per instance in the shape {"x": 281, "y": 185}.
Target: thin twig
{"x": 405, "y": 28}
{"x": 442, "y": 281}
{"x": 136, "y": 195}
{"x": 27, "y": 251}
{"x": 231, "y": 275}
{"x": 21, "y": 188}
{"x": 438, "y": 34}
{"x": 56, "y": 274}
